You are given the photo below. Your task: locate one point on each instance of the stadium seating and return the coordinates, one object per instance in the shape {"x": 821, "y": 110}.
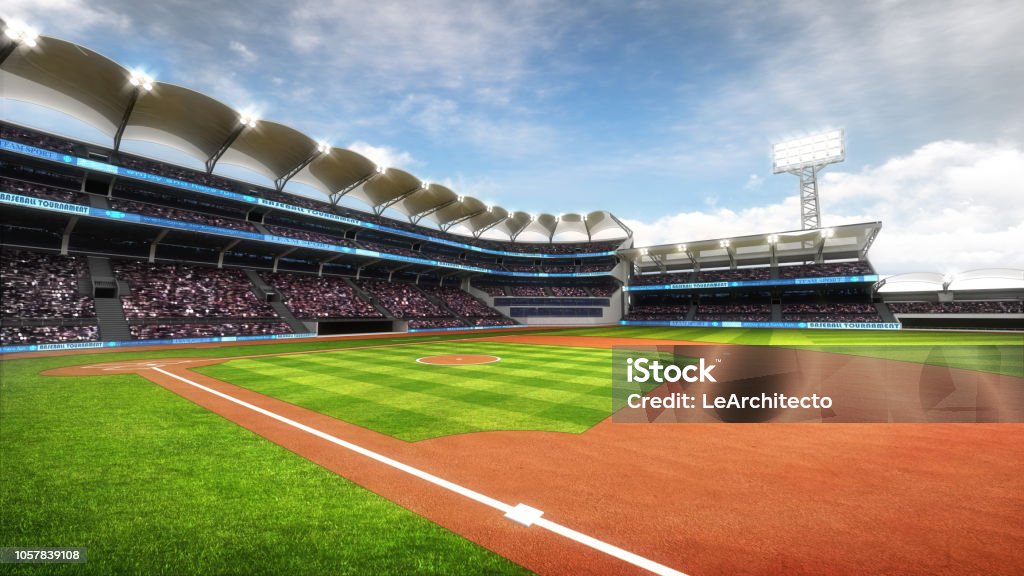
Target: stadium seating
{"x": 734, "y": 312}
{"x": 462, "y": 303}
{"x": 20, "y": 335}
{"x": 40, "y": 191}
{"x": 823, "y": 270}
{"x": 189, "y": 330}
{"x": 831, "y": 312}
{"x": 158, "y": 211}
{"x": 967, "y": 307}
{"x": 402, "y": 300}
{"x": 185, "y": 291}
{"x": 40, "y": 285}
{"x": 312, "y": 297}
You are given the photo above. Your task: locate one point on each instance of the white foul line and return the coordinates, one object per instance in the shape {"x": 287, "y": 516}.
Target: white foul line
{"x": 569, "y": 533}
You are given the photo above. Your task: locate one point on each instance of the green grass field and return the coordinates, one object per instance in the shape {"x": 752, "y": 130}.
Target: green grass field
{"x": 153, "y": 484}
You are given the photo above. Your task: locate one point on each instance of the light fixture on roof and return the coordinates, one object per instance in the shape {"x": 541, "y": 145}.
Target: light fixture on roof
{"x": 323, "y": 148}
{"x": 424, "y": 185}
{"x": 681, "y": 248}
{"x": 490, "y": 209}
{"x": 724, "y": 243}
{"x": 461, "y": 197}
{"x": 247, "y": 119}
{"x": 773, "y": 238}
{"x": 381, "y": 169}
{"x": 828, "y": 233}
{"x": 140, "y": 79}
{"x": 21, "y": 33}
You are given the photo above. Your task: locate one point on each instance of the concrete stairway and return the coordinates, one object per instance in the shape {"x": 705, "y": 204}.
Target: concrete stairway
{"x": 369, "y": 298}
{"x": 106, "y": 295}
{"x": 271, "y": 296}
{"x": 885, "y": 313}
{"x": 441, "y": 303}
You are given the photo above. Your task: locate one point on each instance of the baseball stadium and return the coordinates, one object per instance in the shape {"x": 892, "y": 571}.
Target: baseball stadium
{"x": 204, "y": 374}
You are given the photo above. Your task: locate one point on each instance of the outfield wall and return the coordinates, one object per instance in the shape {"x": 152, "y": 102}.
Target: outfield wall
{"x": 797, "y": 325}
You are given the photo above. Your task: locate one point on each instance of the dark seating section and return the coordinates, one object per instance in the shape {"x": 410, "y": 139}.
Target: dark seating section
{"x": 184, "y": 291}
{"x": 825, "y": 270}
{"x": 402, "y": 300}
{"x": 320, "y": 297}
{"x": 968, "y": 307}
{"x": 24, "y": 335}
{"x": 40, "y": 285}
{"x": 422, "y": 323}
{"x": 832, "y": 312}
{"x": 190, "y": 330}
{"x": 602, "y": 290}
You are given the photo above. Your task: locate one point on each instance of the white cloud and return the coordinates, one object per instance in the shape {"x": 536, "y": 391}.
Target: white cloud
{"x": 242, "y": 51}
{"x": 384, "y": 155}
{"x": 946, "y": 207}
{"x": 53, "y": 17}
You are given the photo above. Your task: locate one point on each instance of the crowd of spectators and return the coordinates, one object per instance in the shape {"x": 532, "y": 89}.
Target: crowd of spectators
{"x": 833, "y": 312}
{"x": 683, "y": 277}
{"x": 461, "y": 302}
{"x": 825, "y": 270}
{"x": 184, "y": 291}
{"x": 19, "y": 134}
{"x": 492, "y": 289}
{"x": 421, "y": 323}
{"x": 597, "y": 267}
{"x": 969, "y": 307}
{"x": 175, "y": 172}
{"x": 133, "y": 207}
{"x": 308, "y": 236}
{"x": 658, "y": 312}
{"x": 735, "y": 312}
{"x": 39, "y": 285}
{"x": 185, "y": 330}
{"x": 21, "y": 335}
{"x": 740, "y": 274}
{"x": 402, "y": 300}
{"x": 603, "y": 290}
{"x": 320, "y": 297}
{"x": 576, "y": 291}
{"x": 24, "y": 188}
{"x": 527, "y": 290}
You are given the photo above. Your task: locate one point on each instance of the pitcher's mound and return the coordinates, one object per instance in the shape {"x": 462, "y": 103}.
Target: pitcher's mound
{"x": 458, "y": 359}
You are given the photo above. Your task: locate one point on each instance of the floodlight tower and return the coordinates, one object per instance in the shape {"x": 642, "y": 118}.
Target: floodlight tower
{"x": 805, "y": 157}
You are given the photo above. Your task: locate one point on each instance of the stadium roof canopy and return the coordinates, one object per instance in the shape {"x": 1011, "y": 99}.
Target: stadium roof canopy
{"x": 127, "y": 104}
{"x": 928, "y": 282}
{"x": 798, "y": 246}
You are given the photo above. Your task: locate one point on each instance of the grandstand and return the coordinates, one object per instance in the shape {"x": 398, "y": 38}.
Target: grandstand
{"x": 104, "y": 245}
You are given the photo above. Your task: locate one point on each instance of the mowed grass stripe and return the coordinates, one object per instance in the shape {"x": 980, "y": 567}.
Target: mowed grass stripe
{"x": 151, "y": 483}
{"x": 533, "y": 387}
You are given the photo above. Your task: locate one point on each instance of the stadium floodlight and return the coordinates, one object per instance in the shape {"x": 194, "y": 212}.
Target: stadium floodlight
{"x": 828, "y": 233}
{"x": 424, "y": 185}
{"x": 381, "y": 169}
{"x": 140, "y": 79}
{"x": 773, "y": 238}
{"x": 724, "y": 243}
{"x": 21, "y": 33}
{"x": 247, "y": 119}
{"x": 682, "y": 248}
{"x": 325, "y": 148}
{"x": 805, "y": 157}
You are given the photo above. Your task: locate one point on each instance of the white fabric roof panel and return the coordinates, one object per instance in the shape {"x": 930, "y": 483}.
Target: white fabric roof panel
{"x": 88, "y": 86}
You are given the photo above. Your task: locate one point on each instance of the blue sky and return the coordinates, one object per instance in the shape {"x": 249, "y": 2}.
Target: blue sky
{"x": 662, "y": 112}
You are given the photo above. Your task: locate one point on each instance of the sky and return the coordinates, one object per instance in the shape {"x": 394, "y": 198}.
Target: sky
{"x": 663, "y": 113}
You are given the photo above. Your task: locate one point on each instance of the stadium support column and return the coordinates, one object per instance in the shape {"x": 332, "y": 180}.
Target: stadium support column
{"x": 66, "y": 239}
{"x": 229, "y": 246}
{"x": 153, "y": 244}
{"x": 282, "y": 255}
{"x": 810, "y": 210}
